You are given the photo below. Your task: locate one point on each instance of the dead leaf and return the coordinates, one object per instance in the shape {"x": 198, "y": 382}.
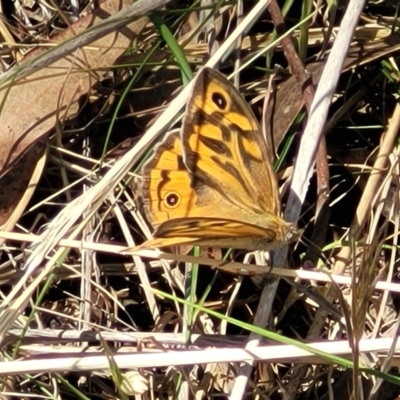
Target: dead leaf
{"x": 34, "y": 105}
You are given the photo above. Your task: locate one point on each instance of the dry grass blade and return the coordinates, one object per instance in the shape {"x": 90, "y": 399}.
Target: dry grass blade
{"x": 183, "y": 322}
{"x": 306, "y": 157}
{"x": 116, "y": 21}
{"x": 319, "y": 109}
{"x": 92, "y": 359}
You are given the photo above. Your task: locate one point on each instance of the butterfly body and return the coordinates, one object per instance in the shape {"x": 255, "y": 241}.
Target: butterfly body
{"x": 213, "y": 184}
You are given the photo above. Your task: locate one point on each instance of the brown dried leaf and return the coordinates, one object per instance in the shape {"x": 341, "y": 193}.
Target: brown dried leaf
{"x": 32, "y": 107}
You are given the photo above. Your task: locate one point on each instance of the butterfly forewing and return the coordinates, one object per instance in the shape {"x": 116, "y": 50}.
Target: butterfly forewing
{"x": 224, "y": 149}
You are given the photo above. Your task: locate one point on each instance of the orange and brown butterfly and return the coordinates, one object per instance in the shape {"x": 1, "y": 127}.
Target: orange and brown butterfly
{"x": 213, "y": 184}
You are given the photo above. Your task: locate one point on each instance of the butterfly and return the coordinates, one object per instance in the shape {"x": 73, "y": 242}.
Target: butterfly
{"x": 213, "y": 184}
